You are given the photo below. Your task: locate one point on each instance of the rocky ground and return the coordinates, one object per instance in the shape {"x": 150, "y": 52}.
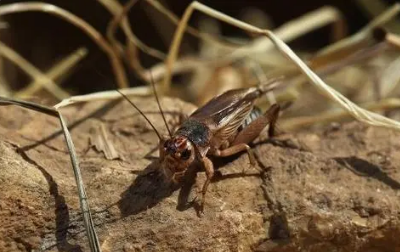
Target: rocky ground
{"x": 335, "y": 189}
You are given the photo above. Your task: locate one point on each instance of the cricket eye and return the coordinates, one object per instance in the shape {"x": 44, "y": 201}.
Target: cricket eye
{"x": 185, "y": 155}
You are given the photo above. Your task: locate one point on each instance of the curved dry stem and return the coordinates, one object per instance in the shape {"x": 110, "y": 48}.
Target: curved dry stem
{"x": 134, "y": 61}
{"x": 78, "y": 22}
{"x": 288, "y": 31}
{"x": 205, "y": 37}
{"x": 358, "y": 113}
{"x": 54, "y": 73}
{"x": 132, "y": 41}
{"x": 35, "y": 73}
{"x": 119, "y": 13}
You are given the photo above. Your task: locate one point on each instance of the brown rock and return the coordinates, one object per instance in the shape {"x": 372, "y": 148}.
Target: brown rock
{"x": 330, "y": 191}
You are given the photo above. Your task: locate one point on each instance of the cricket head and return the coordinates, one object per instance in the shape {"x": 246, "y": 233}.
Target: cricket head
{"x": 177, "y": 154}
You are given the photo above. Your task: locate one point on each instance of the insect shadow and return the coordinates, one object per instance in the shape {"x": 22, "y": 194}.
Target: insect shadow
{"x": 365, "y": 168}
{"x": 150, "y": 187}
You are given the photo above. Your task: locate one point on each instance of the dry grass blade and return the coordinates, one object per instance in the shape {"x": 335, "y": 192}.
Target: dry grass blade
{"x": 298, "y": 27}
{"x": 54, "y": 73}
{"x": 5, "y": 89}
{"x": 35, "y": 73}
{"x": 262, "y": 78}
{"x": 365, "y": 32}
{"x": 393, "y": 39}
{"x": 390, "y": 79}
{"x": 29, "y": 105}
{"x": 184, "y": 64}
{"x": 375, "y": 8}
{"x": 87, "y": 216}
{"x": 358, "y": 113}
{"x": 78, "y": 22}
{"x": 88, "y": 221}
{"x": 347, "y": 55}
{"x": 334, "y": 61}
{"x": 104, "y": 95}
{"x": 330, "y": 116}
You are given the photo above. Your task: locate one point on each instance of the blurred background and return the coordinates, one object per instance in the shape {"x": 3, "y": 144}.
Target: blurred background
{"x": 45, "y": 40}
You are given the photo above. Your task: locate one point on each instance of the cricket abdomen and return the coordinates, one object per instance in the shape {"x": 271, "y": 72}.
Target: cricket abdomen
{"x": 254, "y": 114}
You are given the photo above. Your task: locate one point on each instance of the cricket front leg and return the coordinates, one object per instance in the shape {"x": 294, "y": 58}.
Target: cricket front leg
{"x": 209, "y": 168}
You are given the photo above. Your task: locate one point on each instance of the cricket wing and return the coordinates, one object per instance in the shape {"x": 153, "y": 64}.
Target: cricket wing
{"x": 226, "y": 112}
{"x": 221, "y": 106}
{"x": 229, "y": 125}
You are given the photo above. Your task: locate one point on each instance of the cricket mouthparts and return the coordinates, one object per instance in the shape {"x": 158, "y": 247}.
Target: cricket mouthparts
{"x": 170, "y": 146}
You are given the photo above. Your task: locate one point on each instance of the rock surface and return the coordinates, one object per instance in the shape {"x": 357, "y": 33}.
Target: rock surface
{"x": 331, "y": 190}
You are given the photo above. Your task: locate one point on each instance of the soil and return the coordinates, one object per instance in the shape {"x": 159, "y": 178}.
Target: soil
{"x": 334, "y": 189}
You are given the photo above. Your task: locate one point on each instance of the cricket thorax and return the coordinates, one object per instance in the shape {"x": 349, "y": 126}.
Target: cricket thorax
{"x": 198, "y": 133}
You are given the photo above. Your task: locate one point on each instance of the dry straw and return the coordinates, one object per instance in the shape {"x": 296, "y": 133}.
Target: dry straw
{"x": 79, "y": 23}
{"x": 113, "y": 52}
{"x": 40, "y": 78}
{"x": 87, "y": 216}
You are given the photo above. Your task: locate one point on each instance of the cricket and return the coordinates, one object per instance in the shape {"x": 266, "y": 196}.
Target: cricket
{"x": 211, "y": 89}
{"x": 222, "y": 127}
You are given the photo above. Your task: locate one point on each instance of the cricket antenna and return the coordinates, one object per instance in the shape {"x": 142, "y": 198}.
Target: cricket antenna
{"x": 145, "y": 117}
{"x": 158, "y": 103}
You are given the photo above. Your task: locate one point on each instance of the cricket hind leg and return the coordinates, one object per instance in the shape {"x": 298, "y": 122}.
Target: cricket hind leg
{"x": 249, "y": 133}
{"x": 237, "y": 148}
{"x": 253, "y": 129}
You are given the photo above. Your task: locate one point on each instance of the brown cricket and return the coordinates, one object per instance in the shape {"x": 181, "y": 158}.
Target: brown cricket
{"x": 222, "y": 127}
